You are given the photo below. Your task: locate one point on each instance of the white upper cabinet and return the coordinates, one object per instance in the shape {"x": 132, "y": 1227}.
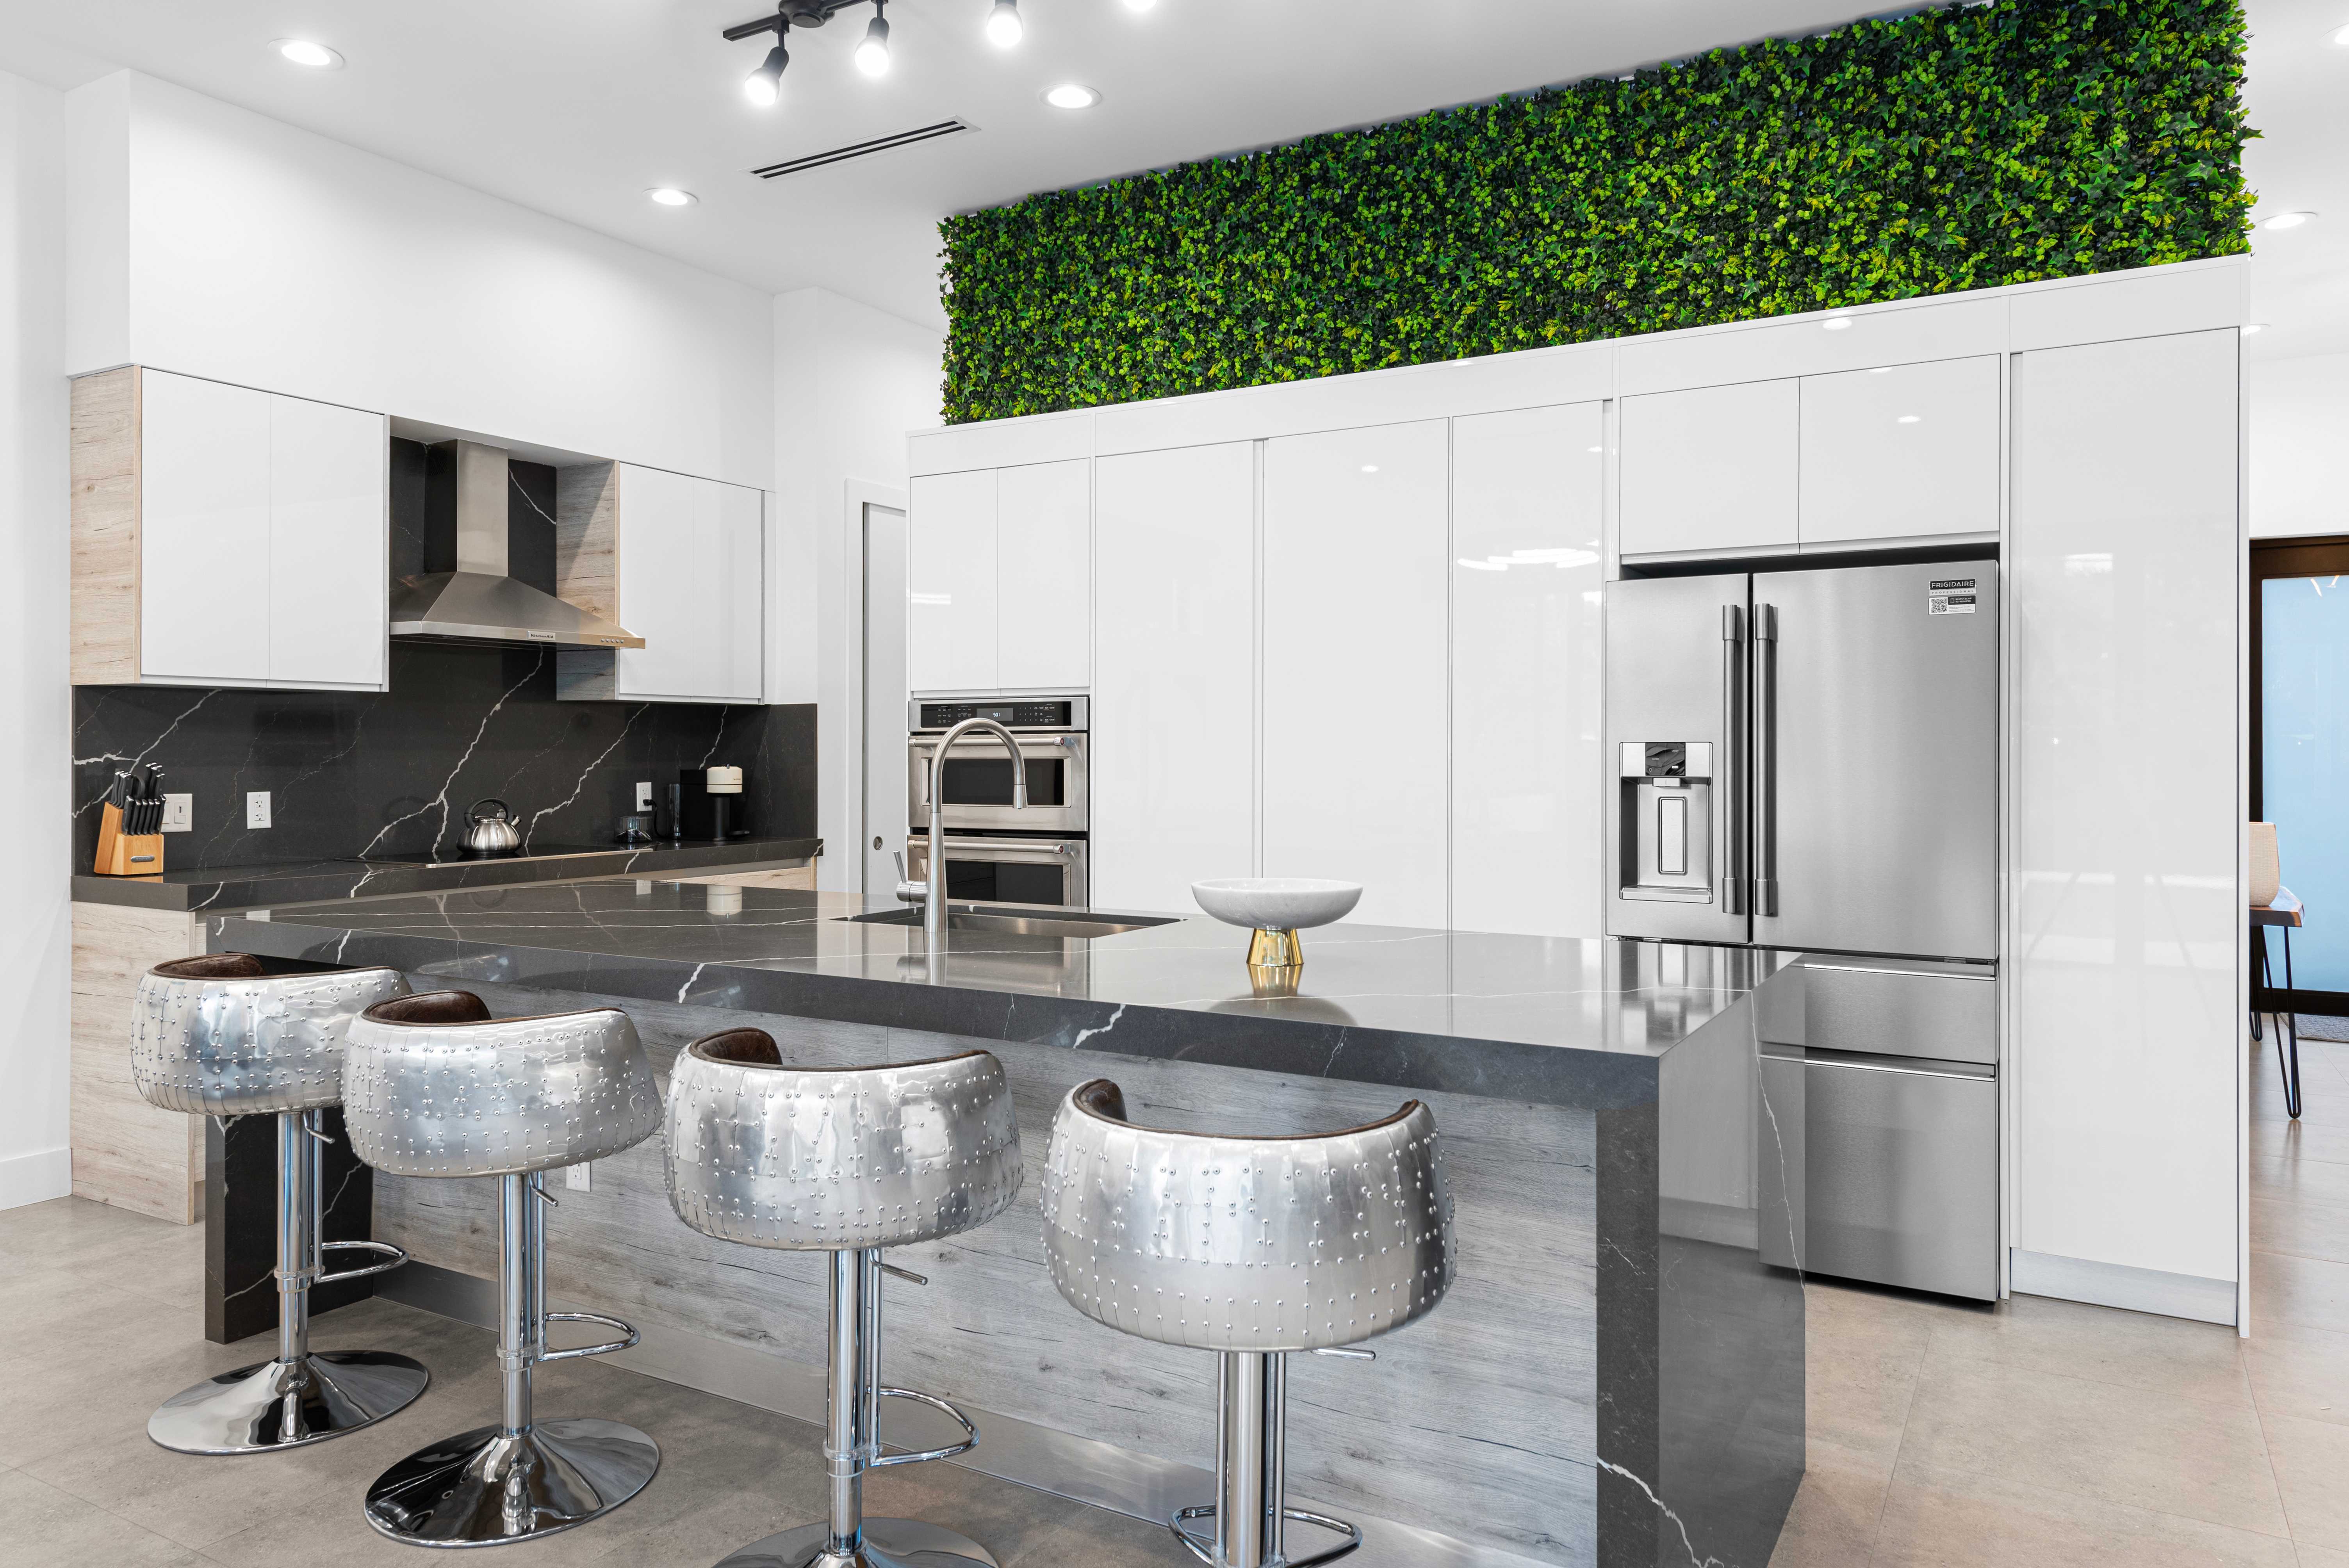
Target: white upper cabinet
{"x": 1043, "y": 575}
{"x": 261, "y": 553}
{"x": 688, "y": 556}
{"x": 1527, "y": 574}
{"x": 329, "y": 564}
{"x": 1711, "y": 469}
{"x": 1001, "y": 579}
{"x": 1174, "y": 723}
{"x": 1355, "y": 644}
{"x": 1901, "y": 451}
{"x": 950, "y": 578}
{"x": 204, "y": 531}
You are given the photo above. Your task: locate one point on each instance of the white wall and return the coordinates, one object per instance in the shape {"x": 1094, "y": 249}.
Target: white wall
{"x": 850, "y": 381}
{"x": 218, "y": 243}
{"x": 2299, "y": 411}
{"x": 35, "y": 925}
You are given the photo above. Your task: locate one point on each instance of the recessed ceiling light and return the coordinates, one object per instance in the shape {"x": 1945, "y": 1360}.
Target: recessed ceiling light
{"x": 1370, "y": 468}
{"x": 1146, "y": 4}
{"x": 1003, "y": 27}
{"x": 2286, "y": 219}
{"x": 1908, "y": 419}
{"x": 303, "y": 52}
{"x": 670, "y": 196}
{"x": 1072, "y": 95}
{"x": 1837, "y": 323}
{"x": 2339, "y": 36}
{"x": 2253, "y": 327}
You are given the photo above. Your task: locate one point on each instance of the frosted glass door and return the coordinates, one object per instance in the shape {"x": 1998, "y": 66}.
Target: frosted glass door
{"x": 2304, "y": 766}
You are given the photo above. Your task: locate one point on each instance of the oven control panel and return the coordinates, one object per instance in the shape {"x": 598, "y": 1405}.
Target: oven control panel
{"x": 1036, "y": 712}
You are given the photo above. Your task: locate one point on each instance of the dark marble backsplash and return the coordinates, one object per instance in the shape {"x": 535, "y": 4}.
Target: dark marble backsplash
{"x": 392, "y": 773}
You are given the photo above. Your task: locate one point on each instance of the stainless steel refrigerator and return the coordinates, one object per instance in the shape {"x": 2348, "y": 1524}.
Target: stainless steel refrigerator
{"x": 1808, "y": 761}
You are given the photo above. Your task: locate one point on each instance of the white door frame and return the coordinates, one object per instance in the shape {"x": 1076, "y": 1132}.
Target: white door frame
{"x": 841, "y": 809}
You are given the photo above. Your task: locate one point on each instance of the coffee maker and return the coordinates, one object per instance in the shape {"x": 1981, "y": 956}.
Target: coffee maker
{"x": 707, "y": 804}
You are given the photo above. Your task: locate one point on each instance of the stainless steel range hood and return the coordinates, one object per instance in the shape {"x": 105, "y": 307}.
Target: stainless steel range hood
{"x": 478, "y": 601}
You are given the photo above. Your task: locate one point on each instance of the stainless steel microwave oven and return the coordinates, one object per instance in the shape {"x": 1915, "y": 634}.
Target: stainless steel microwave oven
{"x": 976, "y": 778}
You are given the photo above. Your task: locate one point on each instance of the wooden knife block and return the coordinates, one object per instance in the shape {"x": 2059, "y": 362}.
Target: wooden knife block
{"x": 122, "y": 854}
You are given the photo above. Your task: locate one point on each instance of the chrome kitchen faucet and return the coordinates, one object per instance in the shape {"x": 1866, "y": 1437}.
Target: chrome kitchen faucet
{"x": 934, "y": 896}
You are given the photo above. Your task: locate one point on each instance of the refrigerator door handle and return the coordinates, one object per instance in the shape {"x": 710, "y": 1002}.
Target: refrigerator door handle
{"x": 1765, "y": 759}
{"x": 1730, "y": 785}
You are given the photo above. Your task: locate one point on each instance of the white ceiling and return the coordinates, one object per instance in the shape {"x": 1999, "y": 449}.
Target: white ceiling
{"x": 575, "y": 107}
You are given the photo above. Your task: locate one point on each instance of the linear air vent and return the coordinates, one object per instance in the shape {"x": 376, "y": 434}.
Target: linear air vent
{"x": 861, "y": 150}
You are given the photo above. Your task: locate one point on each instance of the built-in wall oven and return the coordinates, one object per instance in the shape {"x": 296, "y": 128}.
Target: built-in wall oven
{"x": 995, "y": 853}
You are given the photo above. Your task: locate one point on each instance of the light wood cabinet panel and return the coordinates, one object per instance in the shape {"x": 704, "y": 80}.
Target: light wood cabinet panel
{"x": 1355, "y": 644}
{"x": 329, "y": 564}
{"x": 1526, "y": 577}
{"x": 125, "y": 1151}
{"x": 1711, "y": 469}
{"x": 1901, "y": 451}
{"x": 1174, "y": 722}
{"x": 204, "y": 531}
{"x": 950, "y": 613}
{"x": 1043, "y": 575}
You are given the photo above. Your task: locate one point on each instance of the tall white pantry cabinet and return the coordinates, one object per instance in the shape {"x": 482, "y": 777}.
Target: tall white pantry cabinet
{"x": 1352, "y": 628}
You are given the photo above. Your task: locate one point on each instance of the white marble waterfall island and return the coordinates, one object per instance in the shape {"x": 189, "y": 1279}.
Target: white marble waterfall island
{"x": 1615, "y": 1378}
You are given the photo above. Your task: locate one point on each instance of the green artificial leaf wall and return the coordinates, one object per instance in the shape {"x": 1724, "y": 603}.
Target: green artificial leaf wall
{"x": 1946, "y": 150}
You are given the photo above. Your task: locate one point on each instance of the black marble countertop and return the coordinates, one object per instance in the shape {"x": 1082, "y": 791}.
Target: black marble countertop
{"x": 301, "y": 881}
{"x": 1549, "y": 1020}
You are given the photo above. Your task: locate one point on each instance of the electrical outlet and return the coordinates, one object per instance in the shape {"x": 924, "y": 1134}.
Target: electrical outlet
{"x": 644, "y": 795}
{"x": 179, "y": 813}
{"x": 575, "y": 1177}
{"x": 256, "y": 809}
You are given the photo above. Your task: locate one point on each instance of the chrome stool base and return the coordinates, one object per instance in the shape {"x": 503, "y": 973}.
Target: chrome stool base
{"x": 887, "y": 1543}
{"x": 246, "y": 1411}
{"x": 1203, "y": 1547}
{"x": 483, "y": 1488}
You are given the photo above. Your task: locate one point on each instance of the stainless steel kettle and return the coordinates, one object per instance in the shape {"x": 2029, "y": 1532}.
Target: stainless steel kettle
{"x": 492, "y": 832}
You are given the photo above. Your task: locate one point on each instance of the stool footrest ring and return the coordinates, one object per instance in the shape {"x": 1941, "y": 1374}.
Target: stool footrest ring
{"x": 609, "y": 1346}
{"x": 970, "y": 1432}
{"x": 393, "y": 1257}
{"x": 1205, "y": 1549}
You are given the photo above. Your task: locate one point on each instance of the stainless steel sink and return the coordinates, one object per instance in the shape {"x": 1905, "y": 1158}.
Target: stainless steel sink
{"x": 1061, "y": 925}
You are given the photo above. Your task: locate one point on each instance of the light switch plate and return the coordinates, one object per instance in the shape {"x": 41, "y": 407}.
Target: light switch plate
{"x": 179, "y": 812}
{"x": 575, "y": 1177}
{"x": 644, "y": 795}
{"x": 256, "y": 809}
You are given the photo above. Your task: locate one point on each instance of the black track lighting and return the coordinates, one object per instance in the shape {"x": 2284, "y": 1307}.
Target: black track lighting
{"x": 764, "y": 85}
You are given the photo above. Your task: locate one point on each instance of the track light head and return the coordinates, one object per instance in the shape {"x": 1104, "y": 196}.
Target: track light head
{"x": 1003, "y": 26}
{"x": 873, "y": 54}
{"x": 764, "y": 86}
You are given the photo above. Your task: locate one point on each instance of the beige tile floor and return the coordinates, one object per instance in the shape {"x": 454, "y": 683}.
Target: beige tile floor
{"x": 2039, "y": 1433}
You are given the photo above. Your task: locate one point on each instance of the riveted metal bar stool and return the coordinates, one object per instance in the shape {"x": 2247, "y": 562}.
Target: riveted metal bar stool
{"x": 219, "y": 1036}
{"x": 846, "y": 1161}
{"x": 432, "y": 1086}
{"x": 1255, "y": 1248}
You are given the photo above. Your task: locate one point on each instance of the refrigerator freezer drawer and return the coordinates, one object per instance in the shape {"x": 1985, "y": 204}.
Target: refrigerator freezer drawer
{"x": 1942, "y": 1012}
{"x": 1900, "y": 1174}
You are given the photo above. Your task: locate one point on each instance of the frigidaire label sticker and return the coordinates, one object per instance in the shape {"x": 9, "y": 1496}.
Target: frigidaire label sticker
{"x": 1951, "y": 596}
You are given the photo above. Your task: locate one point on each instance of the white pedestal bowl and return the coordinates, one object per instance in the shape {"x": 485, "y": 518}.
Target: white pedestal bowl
{"x": 1276, "y": 909}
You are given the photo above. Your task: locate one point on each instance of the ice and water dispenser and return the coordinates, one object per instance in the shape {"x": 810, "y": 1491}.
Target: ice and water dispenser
{"x": 1667, "y": 819}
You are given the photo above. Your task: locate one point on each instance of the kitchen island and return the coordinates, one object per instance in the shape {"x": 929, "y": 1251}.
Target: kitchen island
{"x": 1614, "y": 1378}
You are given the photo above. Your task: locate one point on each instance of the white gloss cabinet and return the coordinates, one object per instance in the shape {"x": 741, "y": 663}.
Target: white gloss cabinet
{"x": 1173, "y": 775}
{"x": 1901, "y": 451}
{"x": 687, "y": 558}
{"x": 261, "y": 553}
{"x": 329, "y": 564}
{"x": 2124, "y": 567}
{"x": 1043, "y": 575}
{"x": 1712, "y": 468}
{"x": 1355, "y": 641}
{"x": 950, "y": 555}
{"x": 204, "y": 531}
{"x": 1527, "y": 574}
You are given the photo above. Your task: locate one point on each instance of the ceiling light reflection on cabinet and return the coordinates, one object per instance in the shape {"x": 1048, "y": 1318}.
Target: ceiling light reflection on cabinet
{"x": 1003, "y": 27}
{"x": 2253, "y": 327}
{"x": 1908, "y": 419}
{"x": 1837, "y": 323}
{"x": 1072, "y": 95}
{"x": 303, "y": 52}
